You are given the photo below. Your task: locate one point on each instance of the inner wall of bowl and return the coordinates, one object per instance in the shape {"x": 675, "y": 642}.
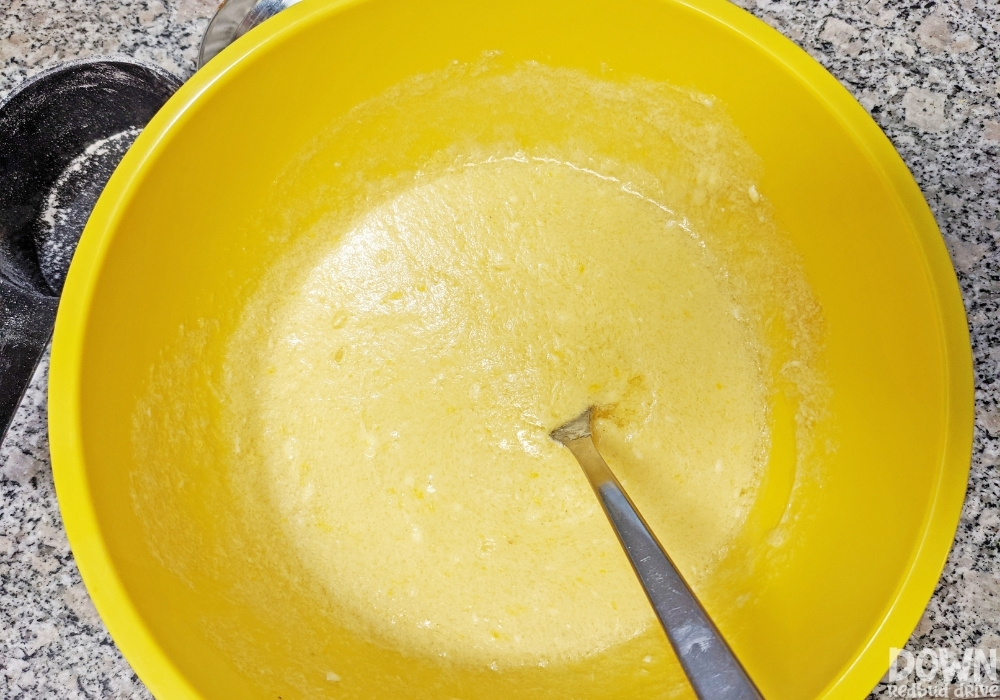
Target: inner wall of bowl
{"x": 191, "y": 239}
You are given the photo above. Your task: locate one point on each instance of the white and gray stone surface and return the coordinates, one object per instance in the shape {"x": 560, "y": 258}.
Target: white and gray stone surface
{"x": 928, "y": 71}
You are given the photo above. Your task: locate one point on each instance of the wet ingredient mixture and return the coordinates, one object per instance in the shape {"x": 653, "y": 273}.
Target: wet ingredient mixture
{"x": 411, "y": 373}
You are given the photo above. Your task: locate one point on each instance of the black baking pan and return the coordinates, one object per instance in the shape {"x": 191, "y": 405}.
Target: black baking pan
{"x": 62, "y": 133}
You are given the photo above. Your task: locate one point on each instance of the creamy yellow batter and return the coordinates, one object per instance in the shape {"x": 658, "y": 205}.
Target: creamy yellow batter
{"x": 345, "y": 452}
{"x": 404, "y": 378}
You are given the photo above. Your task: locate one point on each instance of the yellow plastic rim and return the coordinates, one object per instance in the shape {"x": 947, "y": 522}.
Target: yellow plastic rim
{"x": 124, "y": 622}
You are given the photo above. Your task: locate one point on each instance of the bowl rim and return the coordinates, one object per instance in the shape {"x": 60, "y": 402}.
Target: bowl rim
{"x": 127, "y": 627}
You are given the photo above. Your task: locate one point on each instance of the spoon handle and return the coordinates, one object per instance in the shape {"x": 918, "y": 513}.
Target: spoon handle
{"x": 711, "y": 667}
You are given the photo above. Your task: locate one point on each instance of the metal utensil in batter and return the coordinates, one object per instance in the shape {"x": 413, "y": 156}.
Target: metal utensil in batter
{"x": 711, "y": 667}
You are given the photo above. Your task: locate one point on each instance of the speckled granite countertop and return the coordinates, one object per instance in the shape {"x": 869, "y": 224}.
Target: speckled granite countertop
{"x": 929, "y": 73}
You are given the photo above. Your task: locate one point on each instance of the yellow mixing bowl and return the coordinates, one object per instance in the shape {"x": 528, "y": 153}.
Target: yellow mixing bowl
{"x": 177, "y": 232}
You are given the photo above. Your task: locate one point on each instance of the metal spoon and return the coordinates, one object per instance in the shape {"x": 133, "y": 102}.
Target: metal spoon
{"x": 711, "y": 667}
{"x": 233, "y": 19}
